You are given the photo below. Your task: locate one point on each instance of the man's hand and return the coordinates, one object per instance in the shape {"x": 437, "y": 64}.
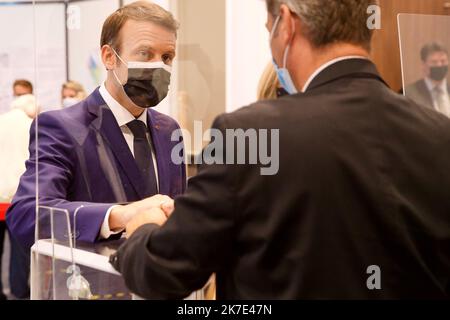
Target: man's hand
{"x": 155, "y": 215}
{"x": 168, "y": 207}
{"x": 121, "y": 215}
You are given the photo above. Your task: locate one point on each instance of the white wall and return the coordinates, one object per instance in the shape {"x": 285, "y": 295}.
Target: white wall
{"x": 36, "y": 54}
{"x": 85, "y": 64}
{"x": 248, "y": 50}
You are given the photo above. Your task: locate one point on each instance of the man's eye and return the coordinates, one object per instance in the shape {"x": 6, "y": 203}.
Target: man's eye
{"x": 143, "y": 53}
{"x": 167, "y": 58}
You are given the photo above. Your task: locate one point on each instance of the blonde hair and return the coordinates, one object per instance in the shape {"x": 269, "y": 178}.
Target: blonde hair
{"x": 268, "y": 84}
{"x": 77, "y": 87}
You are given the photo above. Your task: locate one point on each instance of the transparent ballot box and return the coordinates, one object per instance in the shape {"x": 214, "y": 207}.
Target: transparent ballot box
{"x": 64, "y": 269}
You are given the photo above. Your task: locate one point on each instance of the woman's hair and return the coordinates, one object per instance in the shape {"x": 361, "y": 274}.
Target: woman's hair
{"x": 268, "y": 84}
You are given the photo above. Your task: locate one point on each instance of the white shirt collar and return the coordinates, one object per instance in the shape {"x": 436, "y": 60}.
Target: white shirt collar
{"x": 431, "y": 86}
{"x": 122, "y": 115}
{"x": 326, "y": 65}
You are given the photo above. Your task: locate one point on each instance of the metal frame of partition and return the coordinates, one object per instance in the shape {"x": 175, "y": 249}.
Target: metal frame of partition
{"x": 66, "y": 4}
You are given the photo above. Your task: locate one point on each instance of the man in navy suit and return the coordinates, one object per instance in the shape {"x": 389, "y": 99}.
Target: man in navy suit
{"x": 111, "y": 148}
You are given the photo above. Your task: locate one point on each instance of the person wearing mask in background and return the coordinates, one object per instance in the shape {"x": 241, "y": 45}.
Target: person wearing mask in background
{"x": 22, "y": 87}
{"x": 72, "y": 93}
{"x": 359, "y": 208}
{"x": 433, "y": 90}
{"x": 269, "y": 86}
{"x": 24, "y": 98}
{"x": 14, "y": 137}
{"x": 113, "y": 147}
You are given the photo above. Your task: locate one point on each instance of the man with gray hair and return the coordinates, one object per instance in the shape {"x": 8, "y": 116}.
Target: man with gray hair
{"x": 359, "y": 208}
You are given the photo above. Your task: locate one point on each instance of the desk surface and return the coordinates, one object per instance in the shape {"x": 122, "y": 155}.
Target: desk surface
{"x": 94, "y": 256}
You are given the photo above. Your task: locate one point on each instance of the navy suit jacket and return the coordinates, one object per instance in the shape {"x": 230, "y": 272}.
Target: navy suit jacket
{"x": 84, "y": 161}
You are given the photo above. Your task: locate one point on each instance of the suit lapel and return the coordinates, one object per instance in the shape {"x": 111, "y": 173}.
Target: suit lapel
{"x": 161, "y": 151}
{"x": 107, "y": 126}
{"x": 423, "y": 89}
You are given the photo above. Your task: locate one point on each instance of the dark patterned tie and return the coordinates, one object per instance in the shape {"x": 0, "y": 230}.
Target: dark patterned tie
{"x": 143, "y": 156}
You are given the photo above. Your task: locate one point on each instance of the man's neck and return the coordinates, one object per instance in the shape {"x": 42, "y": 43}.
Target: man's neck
{"x": 312, "y": 60}
{"x": 123, "y": 101}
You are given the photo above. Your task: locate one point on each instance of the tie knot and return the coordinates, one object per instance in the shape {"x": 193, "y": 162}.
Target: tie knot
{"x": 138, "y": 128}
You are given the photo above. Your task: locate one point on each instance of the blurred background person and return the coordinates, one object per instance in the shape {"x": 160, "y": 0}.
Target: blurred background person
{"x": 24, "y": 98}
{"x": 72, "y": 92}
{"x": 27, "y": 104}
{"x": 433, "y": 90}
{"x": 269, "y": 86}
{"x": 22, "y": 87}
{"x": 14, "y": 136}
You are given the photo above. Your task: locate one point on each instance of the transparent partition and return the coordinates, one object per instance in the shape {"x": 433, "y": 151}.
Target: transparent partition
{"x": 17, "y": 62}
{"x": 52, "y": 275}
{"x": 62, "y": 268}
{"x": 82, "y": 161}
{"x": 425, "y": 45}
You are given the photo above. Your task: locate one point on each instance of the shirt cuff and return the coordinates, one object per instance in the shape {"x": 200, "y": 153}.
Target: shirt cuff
{"x": 105, "y": 230}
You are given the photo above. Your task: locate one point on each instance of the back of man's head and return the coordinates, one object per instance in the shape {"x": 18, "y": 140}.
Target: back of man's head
{"x": 330, "y": 21}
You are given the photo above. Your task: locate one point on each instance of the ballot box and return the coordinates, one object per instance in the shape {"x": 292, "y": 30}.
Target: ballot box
{"x": 65, "y": 269}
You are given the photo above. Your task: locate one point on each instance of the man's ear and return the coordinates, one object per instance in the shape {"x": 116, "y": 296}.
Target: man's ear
{"x": 108, "y": 57}
{"x": 287, "y": 23}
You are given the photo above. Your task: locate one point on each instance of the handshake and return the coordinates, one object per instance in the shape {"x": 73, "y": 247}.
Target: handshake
{"x": 156, "y": 209}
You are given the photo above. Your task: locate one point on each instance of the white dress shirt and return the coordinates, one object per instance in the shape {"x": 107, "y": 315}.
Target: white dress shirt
{"x": 326, "y": 65}
{"x": 123, "y": 117}
{"x": 446, "y": 100}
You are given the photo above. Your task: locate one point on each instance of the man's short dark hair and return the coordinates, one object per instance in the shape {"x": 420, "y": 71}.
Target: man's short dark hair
{"x": 331, "y": 21}
{"x": 431, "y": 48}
{"x": 24, "y": 83}
{"x": 138, "y": 11}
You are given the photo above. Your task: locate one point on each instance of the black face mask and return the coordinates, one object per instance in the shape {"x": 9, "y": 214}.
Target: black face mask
{"x": 147, "y": 87}
{"x": 148, "y": 82}
{"x": 438, "y": 73}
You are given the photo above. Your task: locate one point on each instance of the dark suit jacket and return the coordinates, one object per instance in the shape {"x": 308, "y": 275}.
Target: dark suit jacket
{"x": 364, "y": 180}
{"x": 84, "y": 160}
{"x": 418, "y": 92}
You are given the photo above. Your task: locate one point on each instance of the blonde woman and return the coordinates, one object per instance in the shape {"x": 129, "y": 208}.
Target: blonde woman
{"x": 72, "y": 92}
